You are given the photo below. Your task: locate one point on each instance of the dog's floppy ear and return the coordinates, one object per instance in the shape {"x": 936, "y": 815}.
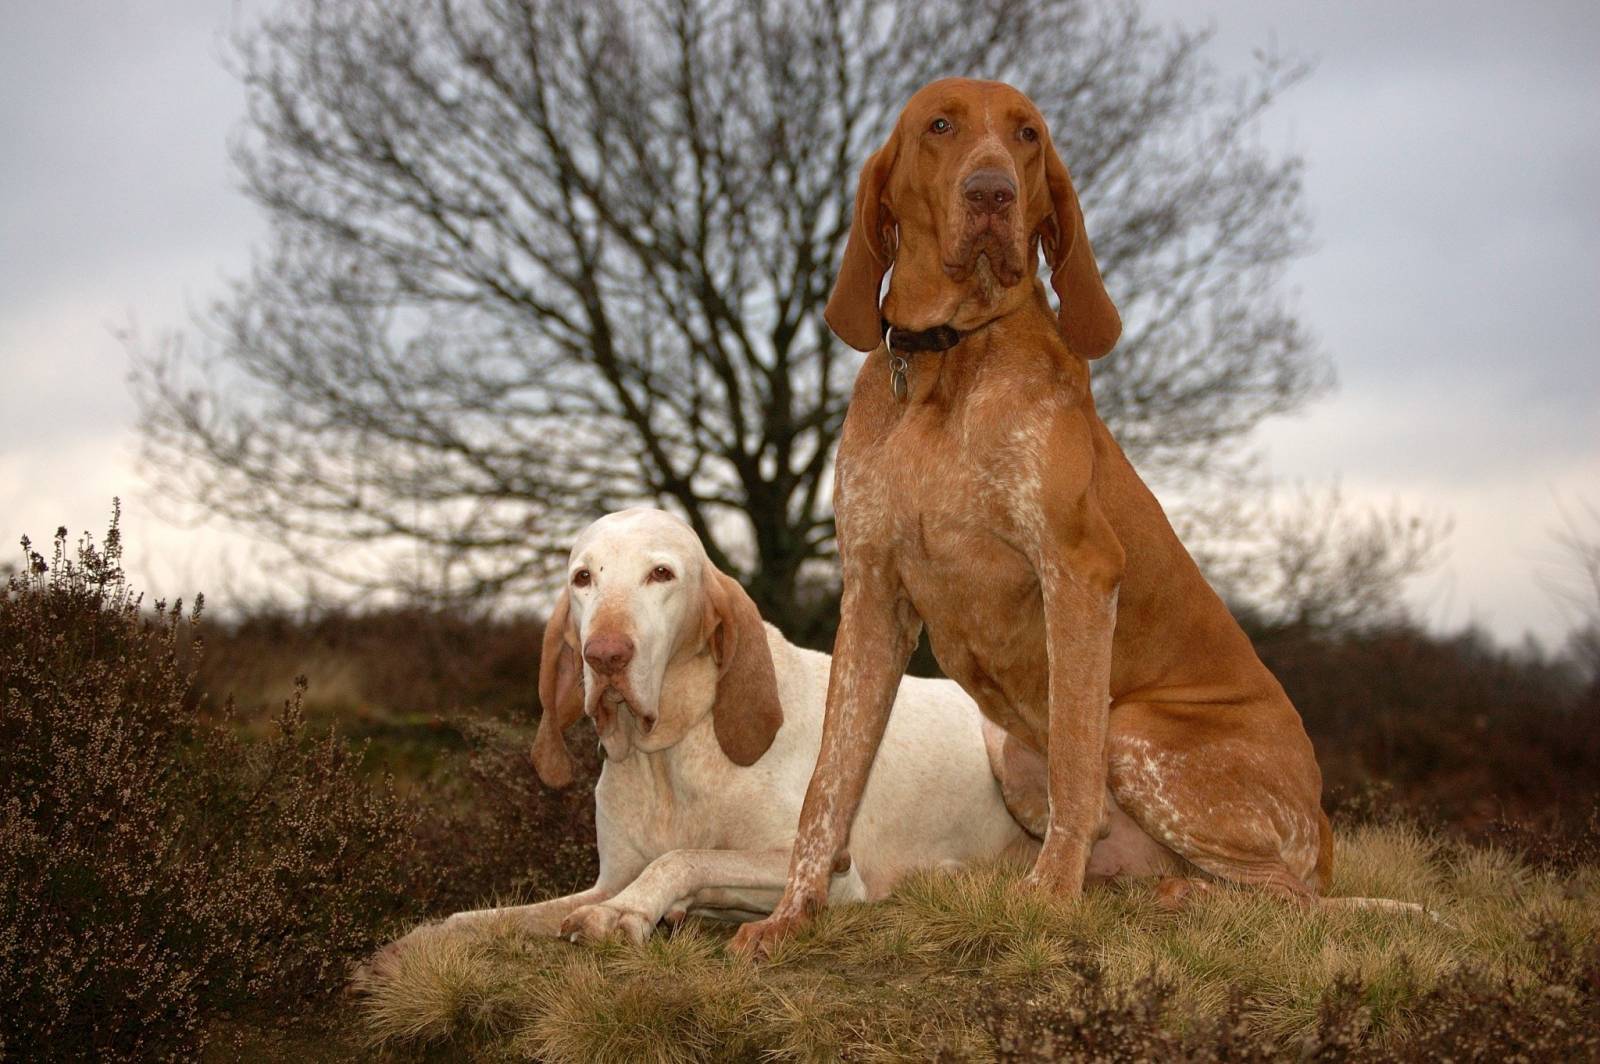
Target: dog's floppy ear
{"x": 1089, "y": 321}
{"x": 560, "y": 697}
{"x": 746, "y": 714}
{"x": 852, "y": 310}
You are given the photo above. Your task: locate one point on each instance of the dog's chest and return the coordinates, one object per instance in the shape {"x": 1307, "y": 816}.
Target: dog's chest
{"x": 960, "y": 496}
{"x": 940, "y": 477}
{"x": 959, "y": 504}
{"x": 685, "y": 799}
{"x": 983, "y": 610}
{"x": 657, "y": 814}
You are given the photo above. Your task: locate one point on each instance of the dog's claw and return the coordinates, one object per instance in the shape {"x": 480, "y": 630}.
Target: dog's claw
{"x": 597, "y": 923}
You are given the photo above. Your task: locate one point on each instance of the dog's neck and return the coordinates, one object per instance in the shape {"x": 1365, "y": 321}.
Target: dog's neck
{"x": 916, "y": 377}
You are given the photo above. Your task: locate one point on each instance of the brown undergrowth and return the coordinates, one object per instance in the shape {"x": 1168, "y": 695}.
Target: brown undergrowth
{"x": 176, "y": 873}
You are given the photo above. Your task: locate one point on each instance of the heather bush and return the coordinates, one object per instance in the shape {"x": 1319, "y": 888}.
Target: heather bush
{"x": 155, "y": 870}
{"x": 493, "y": 831}
{"x": 446, "y": 700}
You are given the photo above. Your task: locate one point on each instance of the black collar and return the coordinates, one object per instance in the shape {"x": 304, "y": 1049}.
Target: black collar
{"x": 906, "y": 342}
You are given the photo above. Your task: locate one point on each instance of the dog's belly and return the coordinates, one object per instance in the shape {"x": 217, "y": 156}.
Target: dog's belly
{"x": 984, "y": 614}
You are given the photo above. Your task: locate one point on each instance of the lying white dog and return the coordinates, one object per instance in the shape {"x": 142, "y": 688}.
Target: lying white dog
{"x": 711, "y": 722}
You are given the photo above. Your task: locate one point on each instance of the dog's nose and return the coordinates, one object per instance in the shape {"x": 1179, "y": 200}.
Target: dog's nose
{"x": 989, "y": 191}
{"x": 608, "y": 654}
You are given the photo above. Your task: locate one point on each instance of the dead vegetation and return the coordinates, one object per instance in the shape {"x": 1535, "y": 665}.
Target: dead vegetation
{"x": 156, "y": 870}
{"x": 967, "y": 967}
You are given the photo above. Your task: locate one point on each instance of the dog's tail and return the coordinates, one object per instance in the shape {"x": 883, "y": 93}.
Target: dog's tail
{"x": 1175, "y": 892}
{"x": 1386, "y": 905}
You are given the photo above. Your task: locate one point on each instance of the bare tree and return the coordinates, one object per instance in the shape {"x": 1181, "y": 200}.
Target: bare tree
{"x": 1575, "y": 584}
{"x": 1308, "y": 560}
{"x": 535, "y": 259}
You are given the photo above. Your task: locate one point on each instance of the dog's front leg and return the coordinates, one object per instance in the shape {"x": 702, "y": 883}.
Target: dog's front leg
{"x": 671, "y": 883}
{"x": 1079, "y": 575}
{"x": 620, "y": 863}
{"x": 878, "y": 630}
{"x": 542, "y": 918}
{"x": 683, "y": 881}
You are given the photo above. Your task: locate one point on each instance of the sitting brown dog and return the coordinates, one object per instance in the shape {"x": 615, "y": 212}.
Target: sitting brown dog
{"x": 979, "y": 493}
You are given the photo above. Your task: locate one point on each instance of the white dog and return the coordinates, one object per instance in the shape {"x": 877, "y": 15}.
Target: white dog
{"x": 711, "y": 721}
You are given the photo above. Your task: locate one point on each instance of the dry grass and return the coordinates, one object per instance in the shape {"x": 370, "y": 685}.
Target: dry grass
{"x": 920, "y": 975}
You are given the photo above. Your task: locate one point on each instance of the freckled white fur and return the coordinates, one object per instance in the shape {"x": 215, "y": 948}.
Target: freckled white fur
{"x": 1143, "y": 770}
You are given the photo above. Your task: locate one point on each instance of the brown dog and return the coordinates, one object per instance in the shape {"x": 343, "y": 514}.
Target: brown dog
{"x": 979, "y": 493}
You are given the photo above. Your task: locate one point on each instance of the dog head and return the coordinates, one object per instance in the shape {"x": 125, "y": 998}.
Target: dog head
{"x": 959, "y": 200}
{"x": 642, "y": 598}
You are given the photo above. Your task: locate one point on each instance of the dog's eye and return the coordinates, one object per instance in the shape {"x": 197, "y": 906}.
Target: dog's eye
{"x": 582, "y": 578}
{"x": 1029, "y": 134}
{"x": 660, "y": 575}
{"x": 939, "y": 125}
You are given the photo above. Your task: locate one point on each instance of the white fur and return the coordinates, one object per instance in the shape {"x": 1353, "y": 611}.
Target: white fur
{"x": 681, "y": 828}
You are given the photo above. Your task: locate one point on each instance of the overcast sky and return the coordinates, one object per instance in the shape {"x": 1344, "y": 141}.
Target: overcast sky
{"x": 1453, "y": 155}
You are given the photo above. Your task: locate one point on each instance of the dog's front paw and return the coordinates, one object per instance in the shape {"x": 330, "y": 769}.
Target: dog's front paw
{"x": 597, "y": 923}
{"x": 759, "y": 939}
{"x": 1059, "y": 871}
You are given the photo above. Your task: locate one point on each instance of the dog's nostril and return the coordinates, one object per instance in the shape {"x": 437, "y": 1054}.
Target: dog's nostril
{"x": 608, "y": 654}
{"x": 989, "y": 191}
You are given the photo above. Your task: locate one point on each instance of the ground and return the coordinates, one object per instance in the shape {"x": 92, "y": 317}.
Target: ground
{"x": 972, "y": 968}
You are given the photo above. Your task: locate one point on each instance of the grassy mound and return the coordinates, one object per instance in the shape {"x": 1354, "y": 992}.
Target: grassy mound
{"x": 968, "y": 967}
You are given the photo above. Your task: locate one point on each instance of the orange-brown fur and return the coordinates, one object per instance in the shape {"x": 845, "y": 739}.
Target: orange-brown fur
{"x": 993, "y": 506}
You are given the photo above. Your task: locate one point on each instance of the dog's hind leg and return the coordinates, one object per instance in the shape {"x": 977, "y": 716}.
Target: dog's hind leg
{"x": 1234, "y": 798}
{"x": 1237, "y": 809}
{"x": 1023, "y": 777}
{"x": 1123, "y": 850}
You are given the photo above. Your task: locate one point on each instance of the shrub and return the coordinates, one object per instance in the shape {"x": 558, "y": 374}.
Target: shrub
{"x": 1460, "y": 729}
{"x": 492, "y": 830}
{"x": 446, "y": 701}
{"x": 154, "y": 869}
